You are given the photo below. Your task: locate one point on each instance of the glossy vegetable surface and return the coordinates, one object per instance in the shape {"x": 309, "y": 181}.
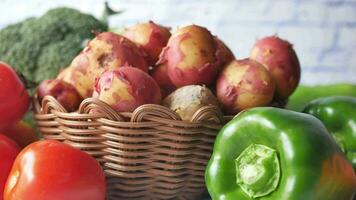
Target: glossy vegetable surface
{"x": 51, "y": 170}
{"x": 14, "y": 98}
{"x": 271, "y": 153}
{"x": 8, "y": 153}
{"x": 22, "y": 133}
{"x": 338, "y": 113}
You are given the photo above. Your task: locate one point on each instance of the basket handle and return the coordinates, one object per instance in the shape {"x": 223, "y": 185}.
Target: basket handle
{"x": 92, "y": 105}
{"x": 208, "y": 113}
{"x": 153, "y": 110}
{"x": 49, "y": 103}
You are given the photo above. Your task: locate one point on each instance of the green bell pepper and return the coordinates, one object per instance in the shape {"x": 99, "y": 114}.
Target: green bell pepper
{"x": 338, "y": 114}
{"x": 277, "y": 154}
{"x": 304, "y": 94}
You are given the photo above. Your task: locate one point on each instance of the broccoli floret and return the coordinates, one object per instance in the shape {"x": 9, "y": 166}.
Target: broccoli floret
{"x": 39, "y": 47}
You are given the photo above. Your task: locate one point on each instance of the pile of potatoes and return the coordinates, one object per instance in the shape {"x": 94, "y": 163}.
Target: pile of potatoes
{"x": 184, "y": 71}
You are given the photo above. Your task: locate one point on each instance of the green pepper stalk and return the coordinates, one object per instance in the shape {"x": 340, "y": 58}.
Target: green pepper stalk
{"x": 338, "y": 113}
{"x": 272, "y": 154}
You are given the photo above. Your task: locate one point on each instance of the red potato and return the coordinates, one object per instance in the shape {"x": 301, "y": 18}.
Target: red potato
{"x": 244, "y": 84}
{"x": 160, "y": 75}
{"x": 77, "y": 76}
{"x": 190, "y": 56}
{"x": 64, "y": 92}
{"x": 150, "y": 37}
{"x": 280, "y": 59}
{"x": 107, "y": 51}
{"x": 126, "y": 88}
{"x": 223, "y": 53}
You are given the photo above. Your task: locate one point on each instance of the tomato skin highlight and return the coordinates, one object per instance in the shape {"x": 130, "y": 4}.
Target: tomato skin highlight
{"x": 14, "y": 98}
{"x": 8, "y": 153}
{"x": 51, "y": 170}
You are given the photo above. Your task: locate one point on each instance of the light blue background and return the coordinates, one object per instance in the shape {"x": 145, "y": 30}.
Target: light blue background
{"x": 323, "y": 31}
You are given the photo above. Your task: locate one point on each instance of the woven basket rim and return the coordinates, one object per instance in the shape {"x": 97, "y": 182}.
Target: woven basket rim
{"x": 50, "y": 107}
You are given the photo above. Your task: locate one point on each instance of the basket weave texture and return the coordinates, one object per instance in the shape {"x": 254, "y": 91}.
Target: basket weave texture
{"x": 147, "y": 154}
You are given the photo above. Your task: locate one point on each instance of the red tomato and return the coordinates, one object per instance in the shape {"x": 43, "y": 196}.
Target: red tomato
{"x": 14, "y": 98}
{"x": 51, "y": 170}
{"x": 22, "y": 133}
{"x": 8, "y": 153}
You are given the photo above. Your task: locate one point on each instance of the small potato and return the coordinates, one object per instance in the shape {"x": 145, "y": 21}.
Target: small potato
{"x": 244, "y": 84}
{"x": 126, "y": 88}
{"x": 160, "y": 74}
{"x": 279, "y": 57}
{"x": 185, "y": 101}
{"x": 64, "y": 92}
{"x": 150, "y": 37}
{"x": 190, "y": 57}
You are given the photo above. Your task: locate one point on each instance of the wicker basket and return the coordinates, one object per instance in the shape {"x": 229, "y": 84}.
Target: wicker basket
{"x": 147, "y": 154}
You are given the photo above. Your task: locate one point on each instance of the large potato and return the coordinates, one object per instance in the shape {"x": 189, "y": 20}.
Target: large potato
{"x": 185, "y": 101}
{"x": 126, "y": 88}
{"x": 107, "y": 51}
{"x": 150, "y": 37}
{"x": 279, "y": 57}
{"x": 190, "y": 56}
{"x": 244, "y": 84}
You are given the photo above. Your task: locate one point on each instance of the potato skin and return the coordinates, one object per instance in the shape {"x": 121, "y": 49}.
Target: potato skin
{"x": 244, "y": 84}
{"x": 126, "y": 88}
{"x": 160, "y": 75}
{"x": 110, "y": 50}
{"x": 107, "y": 51}
{"x": 223, "y": 54}
{"x": 149, "y": 36}
{"x": 64, "y": 92}
{"x": 77, "y": 75}
{"x": 190, "y": 56}
{"x": 185, "y": 101}
{"x": 279, "y": 57}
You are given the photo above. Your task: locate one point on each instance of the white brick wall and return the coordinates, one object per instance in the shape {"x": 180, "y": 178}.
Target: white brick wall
{"x": 322, "y": 31}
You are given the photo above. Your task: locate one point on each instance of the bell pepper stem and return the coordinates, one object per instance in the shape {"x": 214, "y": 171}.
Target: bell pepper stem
{"x": 257, "y": 170}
